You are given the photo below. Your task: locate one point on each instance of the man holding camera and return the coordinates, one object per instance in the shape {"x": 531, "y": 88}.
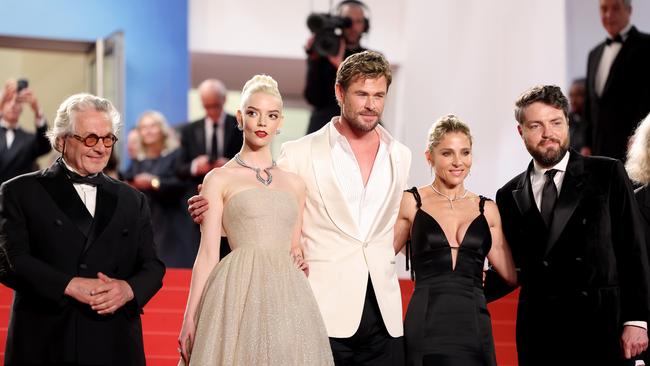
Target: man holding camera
{"x": 322, "y": 64}
{"x": 20, "y": 149}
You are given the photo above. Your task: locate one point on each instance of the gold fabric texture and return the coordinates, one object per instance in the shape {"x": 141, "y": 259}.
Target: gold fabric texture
{"x": 257, "y": 308}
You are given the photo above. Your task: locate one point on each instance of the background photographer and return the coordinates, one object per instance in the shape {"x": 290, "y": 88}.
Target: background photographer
{"x": 321, "y": 67}
{"x": 20, "y": 149}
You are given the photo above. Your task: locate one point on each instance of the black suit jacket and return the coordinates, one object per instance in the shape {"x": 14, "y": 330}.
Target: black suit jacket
{"x": 625, "y": 100}
{"x": 49, "y": 238}
{"x": 586, "y": 275}
{"x": 21, "y": 157}
{"x": 193, "y": 144}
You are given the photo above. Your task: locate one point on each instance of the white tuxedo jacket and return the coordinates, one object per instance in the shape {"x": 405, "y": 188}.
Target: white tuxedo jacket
{"x": 340, "y": 260}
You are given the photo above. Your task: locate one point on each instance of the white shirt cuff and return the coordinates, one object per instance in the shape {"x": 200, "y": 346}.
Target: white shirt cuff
{"x": 637, "y": 323}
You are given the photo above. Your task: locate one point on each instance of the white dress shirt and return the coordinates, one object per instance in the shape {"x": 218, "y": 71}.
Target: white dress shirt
{"x": 607, "y": 59}
{"x": 10, "y": 134}
{"x": 363, "y": 202}
{"x": 87, "y": 192}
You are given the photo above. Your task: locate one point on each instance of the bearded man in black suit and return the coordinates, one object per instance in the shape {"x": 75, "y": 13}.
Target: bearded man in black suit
{"x": 78, "y": 250}
{"x": 574, "y": 228}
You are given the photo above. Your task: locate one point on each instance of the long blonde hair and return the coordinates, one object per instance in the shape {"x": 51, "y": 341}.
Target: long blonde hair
{"x": 638, "y": 156}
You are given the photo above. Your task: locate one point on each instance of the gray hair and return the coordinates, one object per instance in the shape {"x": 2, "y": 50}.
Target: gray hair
{"x": 65, "y": 116}
{"x": 638, "y": 156}
{"x": 213, "y": 85}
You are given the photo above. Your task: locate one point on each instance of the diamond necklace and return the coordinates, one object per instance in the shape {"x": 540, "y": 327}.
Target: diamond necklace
{"x": 451, "y": 200}
{"x": 266, "y": 181}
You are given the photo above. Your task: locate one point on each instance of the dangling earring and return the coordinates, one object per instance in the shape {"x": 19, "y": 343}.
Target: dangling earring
{"x": 277, "y": 132}
{"x": 240, "y": 127}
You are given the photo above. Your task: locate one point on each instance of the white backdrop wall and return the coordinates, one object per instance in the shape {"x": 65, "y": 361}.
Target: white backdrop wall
{"x": 278, "y": 28}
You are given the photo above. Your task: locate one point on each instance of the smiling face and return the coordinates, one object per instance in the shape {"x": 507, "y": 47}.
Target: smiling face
{"x": 545, "y": 132}
{"x": 451, "y": 158}
{"x": 362, "y": 103}
{"x": 261, "y": 117}
{"x": 88, "y": 160}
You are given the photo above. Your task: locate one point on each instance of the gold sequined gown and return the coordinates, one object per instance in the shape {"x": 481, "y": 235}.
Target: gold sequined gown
{"x": 257, "y": 308}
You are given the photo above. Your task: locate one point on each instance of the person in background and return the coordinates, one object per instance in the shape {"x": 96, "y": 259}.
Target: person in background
{"x": 577, "y": 123}
{"x": 618, "y": 82}
{"x": 208, "y": 143}
{"x": 321, "y": 69}
{"x": 153, "y": 173}
{"x": 638, "y": 168}
{"x": 19, "y": 149}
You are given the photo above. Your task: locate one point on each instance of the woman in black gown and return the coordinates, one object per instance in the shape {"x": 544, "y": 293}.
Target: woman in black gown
{"x": 451, "y": 232}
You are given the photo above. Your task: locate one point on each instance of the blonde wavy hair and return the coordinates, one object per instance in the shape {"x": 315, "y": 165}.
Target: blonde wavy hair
{"x": 638, "y": 156}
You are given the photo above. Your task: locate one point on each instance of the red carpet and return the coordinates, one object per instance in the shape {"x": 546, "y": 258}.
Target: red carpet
{"x": 164, "y": 314}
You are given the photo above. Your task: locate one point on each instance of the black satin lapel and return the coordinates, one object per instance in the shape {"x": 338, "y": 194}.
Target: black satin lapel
{"x": 106, "y": 202}
{"x": 522, "y": 195}
{"x": 570, "y": 196}
{"x": 66, "y": 198}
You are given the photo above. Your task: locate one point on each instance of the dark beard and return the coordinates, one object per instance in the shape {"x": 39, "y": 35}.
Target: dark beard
{"x": 360, "y": 127}
{"x": 551, "y": 158}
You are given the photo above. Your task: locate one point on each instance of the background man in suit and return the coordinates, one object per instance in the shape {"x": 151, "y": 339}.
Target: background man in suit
{"x": 574, "y": 228}
{"x": 618, "y": 82}
{"x": 79, "y": 248}
{"x": 321, "y": 69}
{"x": 349, "y": 215}
{"x": 208, "y": 143}
{"x": 20, "y": 149}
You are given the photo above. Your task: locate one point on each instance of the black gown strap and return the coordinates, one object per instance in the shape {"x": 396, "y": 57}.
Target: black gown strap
{"x": 418, "y": 204}
{"x": 416, "y": 195}
{"x": 481, "y": 204}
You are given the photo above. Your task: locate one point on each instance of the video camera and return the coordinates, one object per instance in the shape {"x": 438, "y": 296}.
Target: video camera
{"x": 327, "y": 32}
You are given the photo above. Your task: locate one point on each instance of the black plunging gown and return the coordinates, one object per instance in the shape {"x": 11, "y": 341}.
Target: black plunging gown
{"x": 447, "y": 322}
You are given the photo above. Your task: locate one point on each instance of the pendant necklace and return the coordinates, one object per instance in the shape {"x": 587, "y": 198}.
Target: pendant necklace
{"x": 451, "y": 200}
{"x": 266, "y": 181}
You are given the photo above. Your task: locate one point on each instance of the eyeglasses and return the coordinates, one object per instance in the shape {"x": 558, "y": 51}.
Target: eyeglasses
{"x": 92, "y": 139}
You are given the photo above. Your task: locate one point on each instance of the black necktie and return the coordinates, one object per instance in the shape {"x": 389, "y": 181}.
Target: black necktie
{"x": 93, "y": 180}
{"x": 549, "y": 196}
{"x": 214, "y": 153}
{"x": 617, "y": 39}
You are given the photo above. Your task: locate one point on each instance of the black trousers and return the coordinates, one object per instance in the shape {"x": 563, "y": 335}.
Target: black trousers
{"x": 371, "y": 345}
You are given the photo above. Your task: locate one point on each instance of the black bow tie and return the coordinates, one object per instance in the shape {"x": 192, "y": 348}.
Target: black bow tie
{"x": 93, "y": 180}
{"x": 617, "y": 39}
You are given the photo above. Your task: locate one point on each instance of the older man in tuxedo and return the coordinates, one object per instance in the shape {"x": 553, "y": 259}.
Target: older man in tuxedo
{"x": 618, "y": 82}
{"x": 79, "y": 250}
{"x": 574, "y": 228}
{"x": 20, "y": 149}
{"x": 208, "y": 143}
